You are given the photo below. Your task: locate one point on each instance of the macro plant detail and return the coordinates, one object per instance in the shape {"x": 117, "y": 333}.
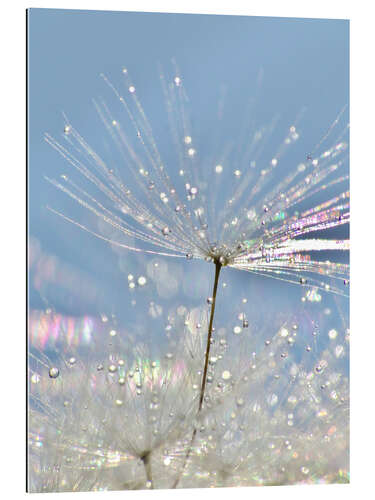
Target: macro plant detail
{"x": 221, "y": 429}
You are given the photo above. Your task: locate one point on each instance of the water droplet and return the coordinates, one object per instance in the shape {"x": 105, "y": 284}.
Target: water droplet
{"x": 35, "y": 378}
{"x": 100, "y": 367}
{"x": 166, "y": 230}
{"x": 191, "y": 152}
{"x": 272, "y": 399}
{"x": 177, "y": 81}
{"x": 332, "y": 334}
{"x": 226, "y": 375}
{"x": 67, "y": 129}
{"x": 112, "y": 368}
{"x": 121, "y": 380}
{"x": 54, "y": 372}
{"x": 240, "y": 402}
{"x": 119, "y": 402}
{"x": 245, "y": 323}
{"x": 169, "y": 355}
{"x": 303, "y": 281}
{"x": 142, "y": 280}
{"x": 237, "y": 330}
{"x": 193, "y": 191}
{"x": 274, "y": 162}
{"x": 305, "y": 470}
{"x": 148, "y": 484}
{"x": 283, "y": 332}
{"x": 72, "y": 361}
{"x": 113, "y": 333}
{"x": 218, "y": 169}
{"x": 131, "y": 89}
{"x": 319, "y": 368}
{"x": 237, "y": 173}
{"x": 187, "y": 139}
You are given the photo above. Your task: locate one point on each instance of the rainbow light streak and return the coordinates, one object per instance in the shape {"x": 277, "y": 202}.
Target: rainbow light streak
{"x": 46, "y": 330}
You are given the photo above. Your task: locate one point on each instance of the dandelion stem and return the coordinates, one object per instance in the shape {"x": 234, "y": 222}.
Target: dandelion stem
{"x": 147, "y": 464}
{"x": 204, "y": 379}
{"x": 218, "y": 267}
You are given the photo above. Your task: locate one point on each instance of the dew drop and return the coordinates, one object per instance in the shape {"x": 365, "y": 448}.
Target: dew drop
{"x": 226, "y": 375}
{"x": 237, "y": 330}
{"x": 218, "y": 169}
{"x": 131, "y": 89}
{"x": 54, "y": 372}
{"x": 303, "y": 281}
{"x": 142, "y": 280}
{"x": 166, "y": 230}
{"x": 112, "y": 368}
{"x": 332, "y": 334}
{"x": 177, "y": 81}
{"x": 72, "y": 361}
{"x": 35, "y": 378}
{"x": 67, "y": 129}
{"x": 237, "y": 173}
{"x": 187, "y": 139}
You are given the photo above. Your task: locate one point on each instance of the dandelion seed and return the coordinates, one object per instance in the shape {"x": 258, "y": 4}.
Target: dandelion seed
{"x": 258, "y": 227}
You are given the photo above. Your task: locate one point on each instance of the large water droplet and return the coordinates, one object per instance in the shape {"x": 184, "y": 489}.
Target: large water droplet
{"x": 54, "y": 372}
